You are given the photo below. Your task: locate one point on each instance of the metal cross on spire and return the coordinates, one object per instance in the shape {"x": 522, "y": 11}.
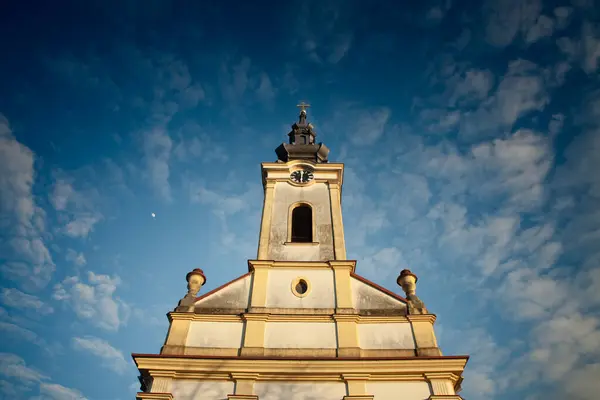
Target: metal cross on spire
{"x": 303, "y": 106}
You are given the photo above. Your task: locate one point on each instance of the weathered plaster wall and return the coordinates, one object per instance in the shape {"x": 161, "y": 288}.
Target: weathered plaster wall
{"x": 318, "y": 196}
{"x": 215, "y": 334}
{"x": 321, "y": 286}
{"x": 235, "y": 295}
{"x": 386, "y": 336}
{"x": 300, "y": 391}
{"x": 396, "y": 390}
{"x": 300, "y": 335}
{"x": 365, "y": 297}
{"x": 187, "y": 389}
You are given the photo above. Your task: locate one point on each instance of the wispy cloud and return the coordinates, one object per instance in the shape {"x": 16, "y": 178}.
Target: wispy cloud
{"x": 77, "y": 207}
{"x": 76, "y": 258}
{"x": 111, "y": 357}
{"x": 157, "y": 153}
{"x": 14, "y": 367}
{"x": 94, "y": 300}
{"x": 26, "y": 257}
{"x": 16, "y": 299}
{"x": 54, "y": 391}
{"x": 322, "y": 32}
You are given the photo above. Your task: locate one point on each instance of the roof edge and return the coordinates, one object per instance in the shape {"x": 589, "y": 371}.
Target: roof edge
{"x": 192, "y": 356}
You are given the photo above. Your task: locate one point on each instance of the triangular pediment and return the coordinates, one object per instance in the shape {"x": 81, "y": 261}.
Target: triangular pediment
{"x": 232, "y": 295}
{"x": 368, "y": 296}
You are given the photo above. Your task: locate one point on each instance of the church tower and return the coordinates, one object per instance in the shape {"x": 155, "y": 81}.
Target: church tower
{"x": 301, "y": 324}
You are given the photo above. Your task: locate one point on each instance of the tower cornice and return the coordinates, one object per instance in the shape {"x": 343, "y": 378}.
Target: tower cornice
{"x": 331, "y": 173}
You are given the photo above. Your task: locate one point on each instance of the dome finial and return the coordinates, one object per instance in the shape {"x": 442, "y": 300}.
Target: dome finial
{"x": 302, "y": 106}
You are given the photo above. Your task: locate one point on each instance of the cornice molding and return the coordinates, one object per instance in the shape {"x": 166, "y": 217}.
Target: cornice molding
{"x": 375, "y": 368}
{"x": 422, "y": 318}
{"x": 300, "y": 316}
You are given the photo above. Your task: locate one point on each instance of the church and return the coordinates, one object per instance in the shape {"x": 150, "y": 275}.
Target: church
{"x": 301, "y": 324}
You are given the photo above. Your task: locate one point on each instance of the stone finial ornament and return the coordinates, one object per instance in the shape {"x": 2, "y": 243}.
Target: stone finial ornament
{"x": 195, "y": 280}
{"x": 408, "y": 281}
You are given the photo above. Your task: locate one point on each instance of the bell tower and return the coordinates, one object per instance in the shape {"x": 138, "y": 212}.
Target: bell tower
{"x": 301, "y": 324}
{"x": 302, "y": 214}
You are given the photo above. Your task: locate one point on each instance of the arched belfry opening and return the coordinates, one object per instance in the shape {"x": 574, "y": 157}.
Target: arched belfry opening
{"x": 302, "y": 231}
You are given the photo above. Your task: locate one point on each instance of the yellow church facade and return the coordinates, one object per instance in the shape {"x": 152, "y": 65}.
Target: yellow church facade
{"x": 301, "y": 324}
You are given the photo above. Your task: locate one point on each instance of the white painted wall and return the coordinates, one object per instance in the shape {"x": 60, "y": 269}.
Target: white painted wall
{"x": 318, "y": 196}
{"x": 215, "y": 334}
{"x": 300, "y": 335}
{"x": 300, "y": 391}
{"x": 366, "y": 297}
{"x": 399, "y": 390}
{"x": 188, "y": 389}
{"x": 386, "y": 336}
{"x": 235, "y": 295}
{"x": 280, "y": 295}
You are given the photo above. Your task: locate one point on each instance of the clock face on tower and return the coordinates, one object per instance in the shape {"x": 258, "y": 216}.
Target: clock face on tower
{"x": 302, "y": 176}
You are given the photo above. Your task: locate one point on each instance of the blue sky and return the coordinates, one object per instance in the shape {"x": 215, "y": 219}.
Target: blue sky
{"x": 470, "y": 133}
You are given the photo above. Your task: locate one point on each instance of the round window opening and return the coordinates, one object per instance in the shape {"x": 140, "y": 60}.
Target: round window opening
{"x": 301, "y": 286}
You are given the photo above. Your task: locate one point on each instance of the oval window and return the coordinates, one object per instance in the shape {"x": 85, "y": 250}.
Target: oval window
{"x": 301, "y": 286}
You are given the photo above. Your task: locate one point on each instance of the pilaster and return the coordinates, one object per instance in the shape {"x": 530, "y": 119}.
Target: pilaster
{"x": 254, "y": 334}
{"x": 260, "y": 276}
{"x": 343, "y": 290}
{"x": 347, "y": 334}
{"x": 442, "y": 385}
{"x": 265, "y": 225}
{"x": 154, "y": 396}
{"x": 339, "y": 243}
{"x": 244, "y": 386}
{"x": 179, "y": 327}
{"x": 161, "y": 385}
{"x": 425, "y": 341}
{"x": 356, "y": 386}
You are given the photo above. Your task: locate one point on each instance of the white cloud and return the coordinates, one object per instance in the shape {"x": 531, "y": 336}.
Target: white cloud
{"x": 94, "y": 301}
{"x": 76, "y": 206}
{"x": 521, "y": 91}
{"x": 563, "y": 16}
{"x": 223, "y": 204}
{"x": 27, "y": 259}
{"x": 17, "y": 332}
{"x": 81, "y": 226}
{"x": 583, "y": 384}
{"x": 321, "y": 33}
{"x": 12, "y": 297}
{"x": 543, "y": 27}
{"x": 157, "y": 153}
{"x": 111, "y": 357}
{"x": 195, "y": 145}
{"x": 54, "y": 391}
{"x": 8, "y": 389}
{"x": 14, "y": 367}
{"x": 235, "y": 81}
{"x": 383, "y": 263}
{"x": 585, "y": 50}
{"x": 505, "y": 19}
{"x": 76, "y": 258}
{"x": 265, "y": 90}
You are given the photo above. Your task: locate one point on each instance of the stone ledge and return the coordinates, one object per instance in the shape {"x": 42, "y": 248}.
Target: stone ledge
{"x": 153, "y": 396}
{"x": 242, "y": 396}
{"x": 428, "y": 351}
{"x": 354, "y": 352}
{"x": 444, "y": 397}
